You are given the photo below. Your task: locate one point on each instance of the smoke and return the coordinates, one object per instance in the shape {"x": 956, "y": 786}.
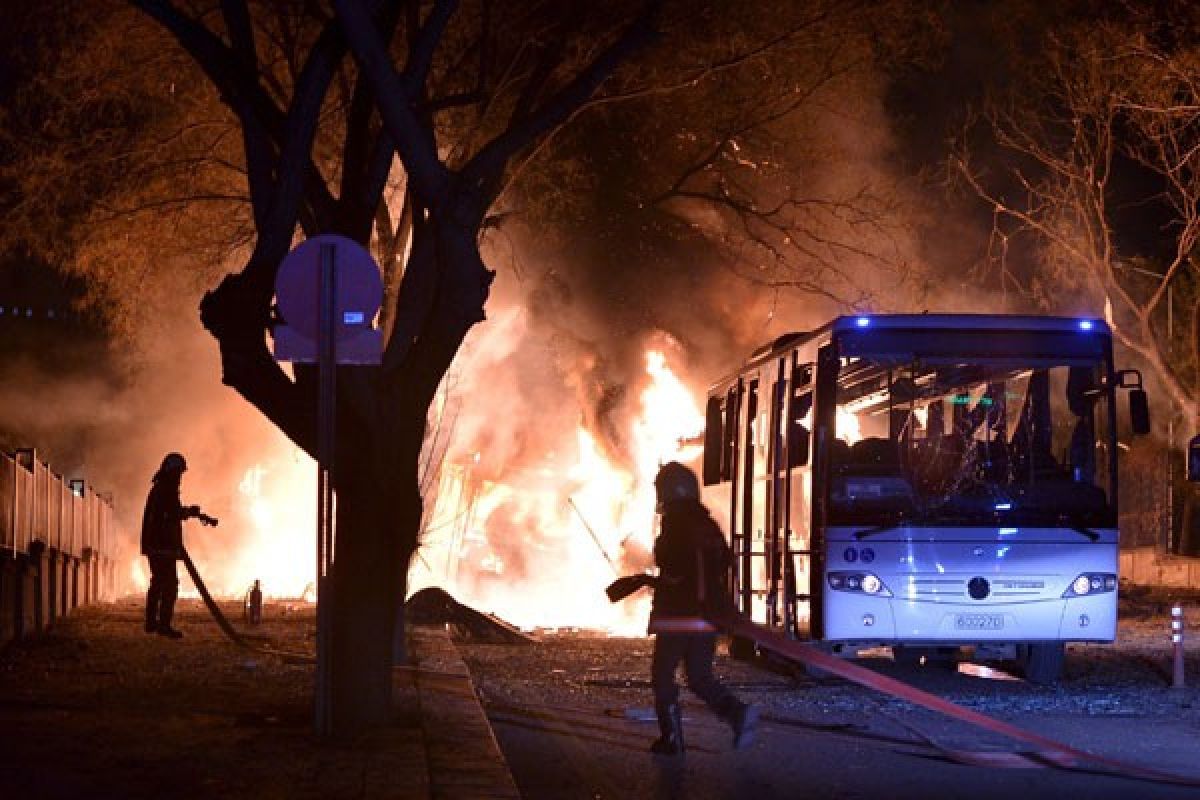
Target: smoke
{"x": 543, "y": 419}
{"x": 547, "y": 478}
{"x": 111, "y": 420}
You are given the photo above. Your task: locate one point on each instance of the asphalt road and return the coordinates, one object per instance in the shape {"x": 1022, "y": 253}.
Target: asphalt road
{"x": 566, "y": 713}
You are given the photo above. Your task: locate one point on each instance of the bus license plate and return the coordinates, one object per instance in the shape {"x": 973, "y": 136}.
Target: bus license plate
{"x": 979, "y": 622}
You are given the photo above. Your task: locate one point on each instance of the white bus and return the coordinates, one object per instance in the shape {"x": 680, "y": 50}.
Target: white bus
{"x": 926, "y": 482}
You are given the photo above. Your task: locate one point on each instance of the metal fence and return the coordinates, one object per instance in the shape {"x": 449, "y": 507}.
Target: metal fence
{"x": 36, "y": 505}
{"x": 58, "y": 545}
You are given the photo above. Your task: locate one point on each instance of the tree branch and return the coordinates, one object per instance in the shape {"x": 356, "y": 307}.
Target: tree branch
{"x": 429, "y": 178}
{"x": 486, "y": 168}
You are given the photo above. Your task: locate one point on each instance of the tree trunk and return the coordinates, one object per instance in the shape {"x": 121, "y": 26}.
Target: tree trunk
{"x": 377, "y": 519}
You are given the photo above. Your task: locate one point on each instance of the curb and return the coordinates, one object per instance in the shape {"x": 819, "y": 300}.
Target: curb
{"x": 465, "y": 761}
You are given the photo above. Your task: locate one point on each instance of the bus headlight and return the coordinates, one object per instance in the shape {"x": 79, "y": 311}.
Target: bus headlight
{"x": 1090, "y": 583}
{"x": 864, "y": 582}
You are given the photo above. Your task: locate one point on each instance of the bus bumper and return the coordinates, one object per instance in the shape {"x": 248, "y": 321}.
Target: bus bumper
{"x": 856, "y": 617}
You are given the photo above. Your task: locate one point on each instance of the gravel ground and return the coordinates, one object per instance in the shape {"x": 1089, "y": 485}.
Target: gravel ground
{"x": 1114, "y": 700}
{"x": 1130, "y": 677}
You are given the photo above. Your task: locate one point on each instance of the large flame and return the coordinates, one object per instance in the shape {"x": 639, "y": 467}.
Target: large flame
{"x": 578, "y": 528}
{"x": 279, "y": 498}
{"x": 267, "y": 531}
{"x": 849, "y": 428}
{"x": 535, "y": 546}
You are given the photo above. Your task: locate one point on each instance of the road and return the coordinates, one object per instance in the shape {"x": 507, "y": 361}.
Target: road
{"x": 566, "y": 713}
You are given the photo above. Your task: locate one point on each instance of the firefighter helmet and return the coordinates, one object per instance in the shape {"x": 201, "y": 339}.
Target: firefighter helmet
{"x": 173, "y": 462}
{"x": 673, "y": 482}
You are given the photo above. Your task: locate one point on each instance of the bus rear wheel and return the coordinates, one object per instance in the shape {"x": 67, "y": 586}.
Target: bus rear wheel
{"x": 1041, "y": 662}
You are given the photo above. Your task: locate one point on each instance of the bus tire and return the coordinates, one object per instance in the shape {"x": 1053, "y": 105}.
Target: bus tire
{"x": 742, "y": 649}
{"x": 1041, "y": 662}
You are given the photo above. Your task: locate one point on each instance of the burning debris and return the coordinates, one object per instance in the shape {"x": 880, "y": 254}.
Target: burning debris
{"x": 434, "y": 606}
{"x": 541, "y": 540}
{"x": 534, "y": 530}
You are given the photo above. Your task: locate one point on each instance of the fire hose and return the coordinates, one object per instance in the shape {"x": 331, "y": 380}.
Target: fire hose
{"x": 1045, "y": 752}
{"x": 235, "y": 636}
{"x": 245, "y": 642}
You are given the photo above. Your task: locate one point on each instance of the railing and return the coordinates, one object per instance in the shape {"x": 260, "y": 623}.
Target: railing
{"x": 57, "y": 545}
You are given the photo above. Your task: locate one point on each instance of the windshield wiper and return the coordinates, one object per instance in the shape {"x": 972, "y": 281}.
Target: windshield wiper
{"x": 863, "y": 534}
{"x": 1088, "y": 532}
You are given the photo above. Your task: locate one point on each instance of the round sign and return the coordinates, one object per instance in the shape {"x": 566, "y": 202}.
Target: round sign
{"x": 358, "y": 288}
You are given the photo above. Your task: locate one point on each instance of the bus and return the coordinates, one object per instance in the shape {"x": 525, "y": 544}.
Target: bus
{"x": 926, "y": 482}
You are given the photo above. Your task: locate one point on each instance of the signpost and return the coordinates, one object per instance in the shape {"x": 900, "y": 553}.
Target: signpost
{"x": 328, "y": 291}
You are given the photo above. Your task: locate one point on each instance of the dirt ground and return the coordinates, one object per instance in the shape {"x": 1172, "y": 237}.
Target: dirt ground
{"x": 97, "y": 708}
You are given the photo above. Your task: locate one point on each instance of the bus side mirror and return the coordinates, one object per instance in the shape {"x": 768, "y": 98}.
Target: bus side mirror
{"x": 1139, "y": 412}
{"x": 713, "y": 441}
{"x": 798, "y": 445}
{"x": 1139, "y": 405}
{"x": 1193, "y": 460}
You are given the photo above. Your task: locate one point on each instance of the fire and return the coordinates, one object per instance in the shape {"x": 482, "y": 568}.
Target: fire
{"x": 848, "y": 426}
{"x": 578, "y": 528}
{"x": 536, "y": 545}
{"x": 267, "y": 530}
{"x": 279, "y": 501}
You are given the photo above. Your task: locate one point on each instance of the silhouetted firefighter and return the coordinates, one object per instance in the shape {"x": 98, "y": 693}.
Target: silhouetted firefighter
{"x": 693, "y": 561}
{"x": 162, "y": 543}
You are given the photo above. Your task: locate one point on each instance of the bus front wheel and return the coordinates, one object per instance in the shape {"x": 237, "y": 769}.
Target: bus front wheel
{"x": 1041, "y": 662}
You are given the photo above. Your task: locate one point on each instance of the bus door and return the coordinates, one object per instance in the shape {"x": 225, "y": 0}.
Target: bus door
{"x": 796, "y": 499}
{"x": 748, "y": 493}
{"x": 824, "y": 429}
{"x": 774, "y": 478}
{"x": 782, "y": 505}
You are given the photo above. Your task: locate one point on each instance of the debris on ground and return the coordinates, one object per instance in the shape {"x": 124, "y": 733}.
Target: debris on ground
{"x": 434, "y": 606}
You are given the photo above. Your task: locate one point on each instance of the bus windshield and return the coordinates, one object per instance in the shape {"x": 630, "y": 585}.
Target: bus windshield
{"x": 951, "y": 442}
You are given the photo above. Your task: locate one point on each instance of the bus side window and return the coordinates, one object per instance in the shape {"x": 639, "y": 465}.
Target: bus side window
{"x": 714, "y": 441}
{"x": 799, "y": 435}
{"x": 732, "y": 398}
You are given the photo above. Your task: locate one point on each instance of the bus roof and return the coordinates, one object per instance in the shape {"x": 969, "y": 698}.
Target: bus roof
{"x": 949, "y": 322}
{"x": 974, "y": 322}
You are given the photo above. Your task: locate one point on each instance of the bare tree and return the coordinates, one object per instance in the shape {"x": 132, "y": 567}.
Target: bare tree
{"x": 289, "y": 118}
{"x": 519, "y": 92}
{"x": 775, "y": 174}
{"x": 1103, "y": 129}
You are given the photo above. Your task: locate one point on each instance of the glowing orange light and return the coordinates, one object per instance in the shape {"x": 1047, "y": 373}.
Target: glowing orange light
{"x": 572, "y": 524}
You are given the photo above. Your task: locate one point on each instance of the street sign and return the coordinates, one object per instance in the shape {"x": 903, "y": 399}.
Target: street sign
{"x": 328, "y": 292}
{"x": 357, "y": 295}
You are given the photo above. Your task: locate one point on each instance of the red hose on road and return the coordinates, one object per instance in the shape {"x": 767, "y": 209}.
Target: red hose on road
{"x": 1046, "y": 752}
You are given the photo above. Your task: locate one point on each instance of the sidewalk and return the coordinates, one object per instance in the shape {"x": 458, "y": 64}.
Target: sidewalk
{"x": 97, "y": 708}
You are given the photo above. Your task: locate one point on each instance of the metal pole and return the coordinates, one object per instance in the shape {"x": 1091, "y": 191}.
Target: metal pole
{"x": 1169, "y": 449}
{"x": 1177, "y": 676}
{"x": 326, "y": 439}
{"x": 595, "y": 538}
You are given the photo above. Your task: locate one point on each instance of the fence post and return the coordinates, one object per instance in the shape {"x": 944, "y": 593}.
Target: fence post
{"x": 1177, "y": 676}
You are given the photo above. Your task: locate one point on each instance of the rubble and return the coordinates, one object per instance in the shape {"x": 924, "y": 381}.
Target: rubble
{"x": 434, "y": 606}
